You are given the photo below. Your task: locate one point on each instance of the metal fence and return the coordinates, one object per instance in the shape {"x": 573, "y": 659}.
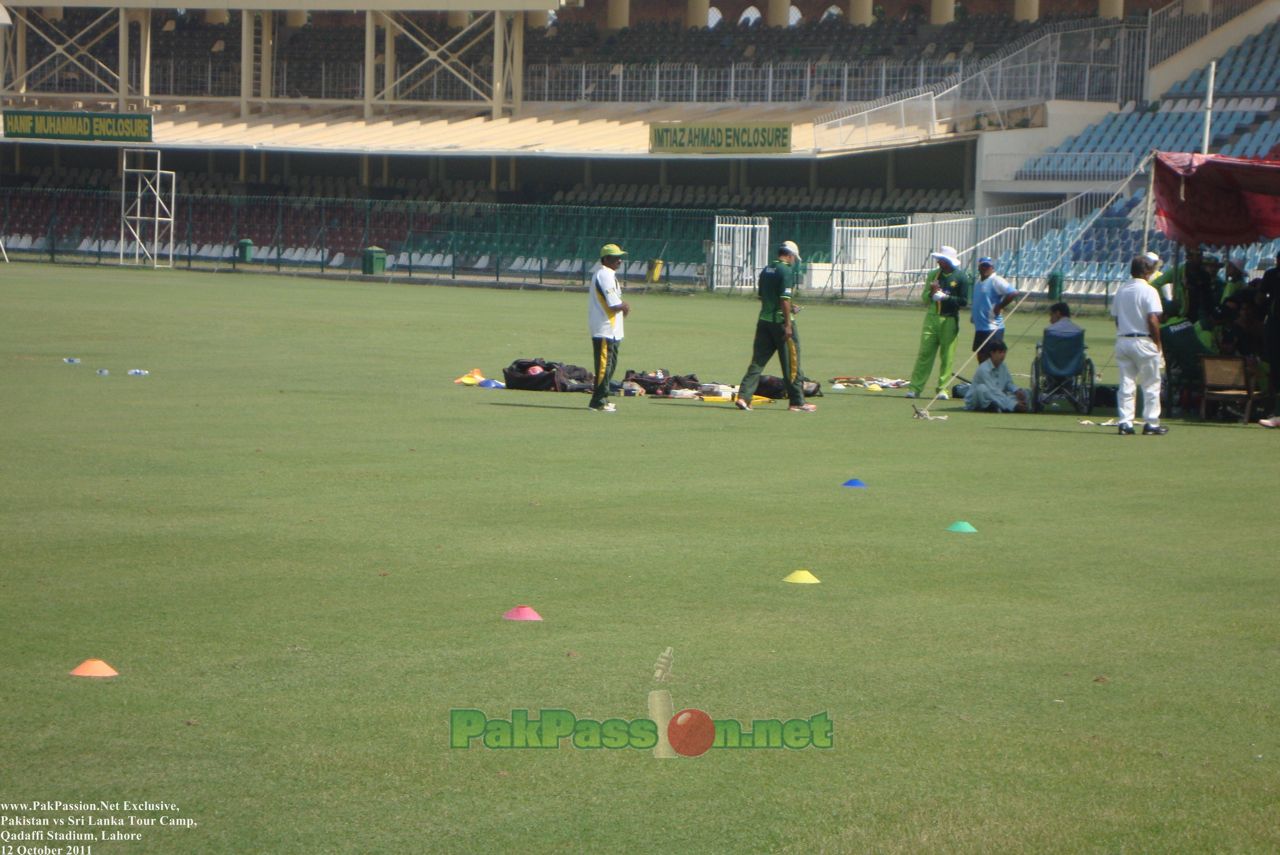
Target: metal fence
{"x": 1087, "y": 241}
{"x": 741, "y": 82}
{"x": 1172, "y": 28}
{"x": 1080, "y": 64}
{"x": 876, "y": 261}
{"x": 553, "y": 244}
{"x": 671, "y": 82}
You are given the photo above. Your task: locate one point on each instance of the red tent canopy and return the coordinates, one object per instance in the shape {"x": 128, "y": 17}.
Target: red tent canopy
{"x": 1222, "y": 201}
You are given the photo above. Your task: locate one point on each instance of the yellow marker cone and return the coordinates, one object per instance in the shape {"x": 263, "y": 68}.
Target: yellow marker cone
{"x": 471, "y": 378}
{"x": 94, "y": 668}
{"x": 802, "y": 577}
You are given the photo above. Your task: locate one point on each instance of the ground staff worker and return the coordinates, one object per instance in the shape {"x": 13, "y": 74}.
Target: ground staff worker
{"x": 946, "y": 292}
{"x": 776, "y": 333}
{"x": 605, "y": 311}
{"x": 1136, "y": 309}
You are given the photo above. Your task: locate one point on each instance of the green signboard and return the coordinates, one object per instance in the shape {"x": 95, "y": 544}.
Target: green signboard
{"x": 93, "y": 127}
{"x": 715, "y": 138}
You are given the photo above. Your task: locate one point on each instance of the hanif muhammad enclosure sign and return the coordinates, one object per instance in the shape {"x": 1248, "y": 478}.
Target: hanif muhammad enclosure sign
{"x": 92, "y": 127}
{"x": 706, "y": 138}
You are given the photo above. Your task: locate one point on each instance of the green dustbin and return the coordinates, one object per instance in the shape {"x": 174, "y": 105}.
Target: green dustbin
{"x": 374, "y": 261}
{"x": 244, "y": 250}
{"x": 1055, "y": 286}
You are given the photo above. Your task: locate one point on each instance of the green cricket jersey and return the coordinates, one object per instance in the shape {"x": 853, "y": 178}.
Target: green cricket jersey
{"x": 774, "y": 285}
{"x": 955, "y": 285}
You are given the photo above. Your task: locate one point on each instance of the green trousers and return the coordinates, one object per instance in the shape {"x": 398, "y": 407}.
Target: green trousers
{"x": 939, "y": 334}
{"x": 604, "y": 354}
{"x": 770, "y": 339}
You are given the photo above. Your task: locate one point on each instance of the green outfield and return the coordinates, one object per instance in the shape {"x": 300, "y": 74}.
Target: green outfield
{"x": 296, "y": 537}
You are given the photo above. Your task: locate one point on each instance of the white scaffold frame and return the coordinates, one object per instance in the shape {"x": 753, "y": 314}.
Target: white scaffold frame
{"x": 146, "y": 209}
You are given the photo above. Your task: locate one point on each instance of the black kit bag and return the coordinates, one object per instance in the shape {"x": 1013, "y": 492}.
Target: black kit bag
{"x": 775, "y": 388}
{"x": 539, "y": 375}
{"x": 533, "y": 375}
{"x": 661, "y": 382}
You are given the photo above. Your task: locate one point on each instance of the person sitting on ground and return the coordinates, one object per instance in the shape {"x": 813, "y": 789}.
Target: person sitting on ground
{"x": 1060, "y": 322}
{"x": 993, "y": 389}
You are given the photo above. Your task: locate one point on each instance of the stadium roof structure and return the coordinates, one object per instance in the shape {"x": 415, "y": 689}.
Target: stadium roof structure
{"x": 553, "y": 130}
{"x": 78, "y": 52}
{"x": 388, "y": 116}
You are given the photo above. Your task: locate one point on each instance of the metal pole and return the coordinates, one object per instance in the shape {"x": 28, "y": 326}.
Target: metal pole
{"x": 1151, "y": 202}
{"x": 1146, "y": 58}
{"x": 1208, "y": 110}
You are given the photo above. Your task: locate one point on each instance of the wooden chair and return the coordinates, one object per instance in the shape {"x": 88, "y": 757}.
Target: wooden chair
{"x": 1226, "y": 378}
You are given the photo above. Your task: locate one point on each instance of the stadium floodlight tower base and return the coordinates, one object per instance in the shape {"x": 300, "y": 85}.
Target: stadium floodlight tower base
{"x": 147, "y": 195}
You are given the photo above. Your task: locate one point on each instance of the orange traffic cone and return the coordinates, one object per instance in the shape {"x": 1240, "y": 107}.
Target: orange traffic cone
{"x": 94, "y": 668}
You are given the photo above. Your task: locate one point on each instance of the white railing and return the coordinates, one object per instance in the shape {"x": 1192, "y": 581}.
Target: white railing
{"x": 782, "y": 82}
{"x": 876, "y": 261}
{"x": 1172, "y": 28}
{"x": 1080, "y": 64}
{"x": 1027, "y": 251}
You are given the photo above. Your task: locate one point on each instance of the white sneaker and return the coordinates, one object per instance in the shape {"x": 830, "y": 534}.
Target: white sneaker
{"x": 911, "y": 394}
{"x": 742, "y": 405}
{"x": 607, "y": 408}
{"x": 942, "y": 396}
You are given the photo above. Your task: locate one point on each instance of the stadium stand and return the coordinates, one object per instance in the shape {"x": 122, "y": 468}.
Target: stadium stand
{"x": 318, "y": 216}
{"x": 1246, "y": 87}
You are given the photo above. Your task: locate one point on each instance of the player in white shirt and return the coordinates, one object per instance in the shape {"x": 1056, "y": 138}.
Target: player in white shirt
{"x": 605, "y": 312}
{"x": 1137, "y": 309}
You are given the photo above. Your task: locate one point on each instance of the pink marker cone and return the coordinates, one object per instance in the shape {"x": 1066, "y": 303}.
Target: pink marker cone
{"x": 522, "y": 613}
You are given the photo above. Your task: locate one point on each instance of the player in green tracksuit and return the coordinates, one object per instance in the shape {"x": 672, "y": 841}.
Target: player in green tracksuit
{"x": 946, "y": 292}
{"x": 776, "y": 332}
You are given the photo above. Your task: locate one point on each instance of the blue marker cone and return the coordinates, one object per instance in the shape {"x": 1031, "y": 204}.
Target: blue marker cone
{"x": 962, "y": 527}
{"x": 854, "y": 482}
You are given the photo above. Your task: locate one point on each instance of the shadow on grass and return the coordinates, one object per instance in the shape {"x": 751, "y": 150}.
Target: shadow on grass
{"x": 718, "y": 407}
{"x": 581, "y": 406}
{"x": 1100, "y": 430}
{"x": 674, "y": 403}
{"x": 1080, "y": 430}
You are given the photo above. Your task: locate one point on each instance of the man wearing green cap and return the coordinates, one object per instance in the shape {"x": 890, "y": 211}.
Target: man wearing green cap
{"x": 946, "y": 292}
{"x": 775, "y": 332}
{"x": 605, "y": 311}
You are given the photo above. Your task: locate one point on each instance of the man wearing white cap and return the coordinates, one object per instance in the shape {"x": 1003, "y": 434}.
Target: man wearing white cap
{"x": 1233, "y": 277}
{"x": 946, "y": 292}
{"x": 991, "y": 296}
{"x": 1137, "y": 309}
{"x": 605, "y": 311}
{"x": 776, "y": 332}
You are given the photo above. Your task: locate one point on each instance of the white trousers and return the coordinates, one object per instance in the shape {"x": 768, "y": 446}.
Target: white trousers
{"x": 1139, "y": 363}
